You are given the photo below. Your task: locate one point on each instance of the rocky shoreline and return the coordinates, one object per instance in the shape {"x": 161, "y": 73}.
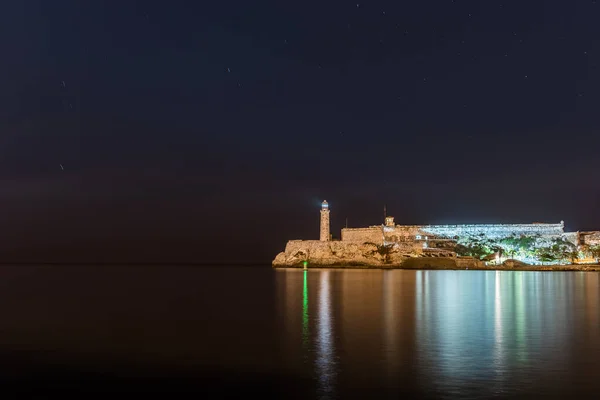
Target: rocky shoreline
{"x": 429, "y": 266}
{"x": 323, "y": 254}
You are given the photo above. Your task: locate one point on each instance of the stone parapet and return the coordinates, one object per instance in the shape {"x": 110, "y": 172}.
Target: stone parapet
{"x": 401, "y": 233}
{"x": 373, "y": 234}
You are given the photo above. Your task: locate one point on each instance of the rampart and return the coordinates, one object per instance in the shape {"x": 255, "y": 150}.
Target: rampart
{"x": 400, "y": 233}
{"x": 371, "y": 234}
{"x": 590, "y": 238}
{"x": 493, "y": 231}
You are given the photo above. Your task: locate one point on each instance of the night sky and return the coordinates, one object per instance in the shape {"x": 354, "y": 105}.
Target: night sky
{"x": 209, "y": 131}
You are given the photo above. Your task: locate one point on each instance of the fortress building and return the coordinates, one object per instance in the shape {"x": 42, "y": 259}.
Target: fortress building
{"x": 392, "y": 233}
{"x": 390, "y": 243}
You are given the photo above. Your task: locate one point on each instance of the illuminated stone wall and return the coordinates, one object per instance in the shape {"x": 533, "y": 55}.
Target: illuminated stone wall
{"x": 371, "y": 234}
{"x": 590, "y": 238}
{"x": 406, "y": 233}
{"x": 572, "y": 237}
{"x": 341, "y": 253}
{"x": 493, "y": 231}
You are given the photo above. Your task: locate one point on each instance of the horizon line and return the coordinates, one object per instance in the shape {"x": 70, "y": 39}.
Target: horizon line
{"x": 125, "y": 263}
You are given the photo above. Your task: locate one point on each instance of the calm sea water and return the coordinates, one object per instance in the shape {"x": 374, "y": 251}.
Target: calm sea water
{"x": 295, "y": 334}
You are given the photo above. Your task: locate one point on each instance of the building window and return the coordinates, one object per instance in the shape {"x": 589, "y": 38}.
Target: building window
{"x": 418, "y": 237}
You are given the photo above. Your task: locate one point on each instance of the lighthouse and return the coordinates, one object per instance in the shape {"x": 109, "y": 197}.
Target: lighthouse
{"x": 324, "y": 222}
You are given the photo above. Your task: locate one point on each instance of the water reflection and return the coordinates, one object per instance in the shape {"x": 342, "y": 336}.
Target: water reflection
{"x": 325, "y": 367}
{"x": 498, "y": 362}
{"x": 447, "y": 333}
{"x": 391, "y": 306}
{"x": 305, "y": 338}
{"x": 592, "y": 296}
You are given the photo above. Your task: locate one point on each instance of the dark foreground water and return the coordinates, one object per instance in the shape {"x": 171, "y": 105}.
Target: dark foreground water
{"x": 248, "y": 331}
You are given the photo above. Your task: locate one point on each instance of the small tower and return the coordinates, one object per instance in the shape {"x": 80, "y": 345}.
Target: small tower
{"x": 324, "y": 237}
{"x": 389, "y": 221}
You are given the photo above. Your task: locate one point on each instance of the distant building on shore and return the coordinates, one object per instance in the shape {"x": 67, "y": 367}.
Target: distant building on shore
{"x": 432, "y": 237}
{"x": 390, "y": 243}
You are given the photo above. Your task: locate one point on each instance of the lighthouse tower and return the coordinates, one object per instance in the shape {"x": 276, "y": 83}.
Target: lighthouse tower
{"x": 324, "y": 222}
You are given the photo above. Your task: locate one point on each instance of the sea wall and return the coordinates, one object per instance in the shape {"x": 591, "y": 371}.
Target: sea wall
{"x": 443, "y": 263}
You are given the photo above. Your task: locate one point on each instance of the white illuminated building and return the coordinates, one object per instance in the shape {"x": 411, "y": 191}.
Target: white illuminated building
{"x": 436, "y": 240}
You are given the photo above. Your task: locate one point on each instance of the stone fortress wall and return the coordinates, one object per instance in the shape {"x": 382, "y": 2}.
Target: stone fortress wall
{"x": 494, "y": 231}
{"x": 406, "y": 233}
{"x": 372, "y": 234}
{"x": 589, "y": 238}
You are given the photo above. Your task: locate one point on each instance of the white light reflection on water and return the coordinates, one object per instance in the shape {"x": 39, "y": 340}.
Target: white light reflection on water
{"x": 460, "y": 330}
{"x": 498, "y": 334}
{"x": 325, "y": 364}
{"x": 446, "y": 334}
{"x": 520, "y": 298}
{"x": 392, "y": 329}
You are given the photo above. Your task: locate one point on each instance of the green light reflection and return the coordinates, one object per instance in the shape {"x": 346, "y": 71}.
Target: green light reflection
{"x": 305, "y": 312}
